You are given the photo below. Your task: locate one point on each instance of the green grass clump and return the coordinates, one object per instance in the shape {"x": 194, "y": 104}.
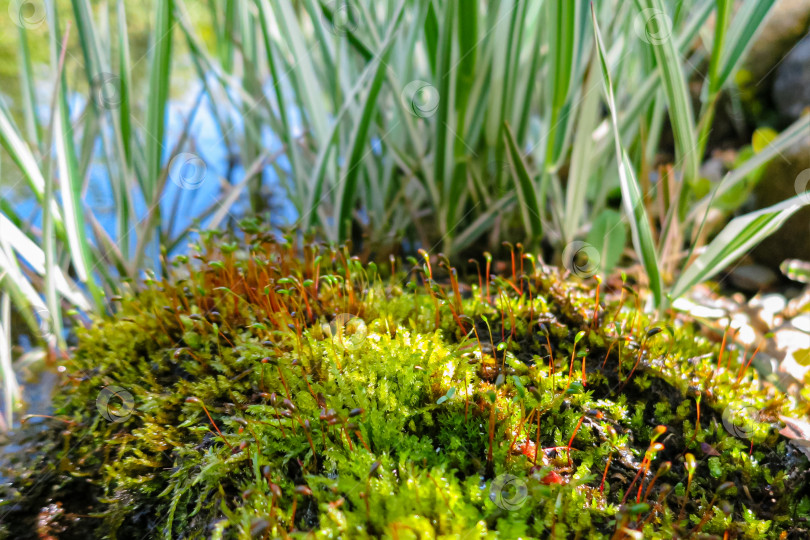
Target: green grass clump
{"x": 220, "y": 402}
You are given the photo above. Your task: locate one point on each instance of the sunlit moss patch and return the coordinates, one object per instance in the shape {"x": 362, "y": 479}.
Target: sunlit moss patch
{"x": 267, "y": 389}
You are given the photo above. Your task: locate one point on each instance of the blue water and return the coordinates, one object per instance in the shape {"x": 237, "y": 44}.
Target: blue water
{"x": 205, "y": 141}
{"x": 179, "y": 207}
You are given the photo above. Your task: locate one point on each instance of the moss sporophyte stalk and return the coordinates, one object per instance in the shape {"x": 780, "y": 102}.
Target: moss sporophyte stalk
{"x": 270, "y": 389}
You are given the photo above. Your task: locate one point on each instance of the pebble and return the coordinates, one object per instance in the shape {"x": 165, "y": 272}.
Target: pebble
{"x": 790, "y": 341}
{"x": 770, "y": 306}
{"x": 752, "y": 277}
{"x": 791, "y": 89}
{"x": 802, "y": 322}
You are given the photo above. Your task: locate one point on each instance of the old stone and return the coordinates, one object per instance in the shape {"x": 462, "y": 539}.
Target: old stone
{"x": 778, "y": 183}
{"x": 791, "y": 89}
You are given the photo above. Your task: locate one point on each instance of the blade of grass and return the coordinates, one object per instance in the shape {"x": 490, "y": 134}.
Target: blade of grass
{"x": 526, "y": 93}
{"x": 108, "y": 91}
{"x": 581, "y": 157}
{"x": 405, "y": 117}
{"x": 741, "y": 235}
{"x": 790, "y": 136}
{"x": 71, "y": 181}
{"x": 646, "y": 91}
{"x": 724, "y": 8}
{"x": 89, "y": 42}
{"x": 609, "y": 235}
{"x": 354, "y": 40}
{"x": 501, "y": 27}
{"x": 158, "y": 96}
{"x": 483, "y": 222}
{"x": 303, "y": 70}
{"x": 27, "y": 88}
{"x": 22, "y": 156}
{"x": 11, "y": 389}
{"x": 464, "y": 73}
{"x": 681, "y": 115}
{"x": 286, "y": 132}
{"x": 325, "y": 44}
{"x": 151, "y": 222}
{"x": 235, "y": 190}
{"x": 714, "y": 83}
{"x": 123, "y": 190}
{"x": 747, "y": 21}
{"x": 50, "y": 267}
{"x": 15, "y": 283}
{"x": 350, "y": 174}
{"x": 563, "y": 42}
{"x": 525, "y": 188}
{"x": 161, "y": 48}
{"x": 443, "y": 159}
{"x": 225, "y": 43}
{"x": 319, "y": 172}
{"x": 631, "y": 194}
{"x": 17, "y": 241}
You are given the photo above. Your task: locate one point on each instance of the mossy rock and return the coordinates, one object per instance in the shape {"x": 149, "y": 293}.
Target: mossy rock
{"x": 222, "y": 403}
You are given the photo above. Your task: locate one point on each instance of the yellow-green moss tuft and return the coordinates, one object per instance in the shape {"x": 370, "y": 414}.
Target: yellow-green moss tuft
{"x": 281, "y": 390}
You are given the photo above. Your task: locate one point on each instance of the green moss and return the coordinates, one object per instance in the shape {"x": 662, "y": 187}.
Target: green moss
{"x": 420, "y": 421}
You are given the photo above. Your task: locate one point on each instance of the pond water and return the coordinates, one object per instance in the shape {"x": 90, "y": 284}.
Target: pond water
{"x": 179, "y": 204}
{"x": 215, "y": 158}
